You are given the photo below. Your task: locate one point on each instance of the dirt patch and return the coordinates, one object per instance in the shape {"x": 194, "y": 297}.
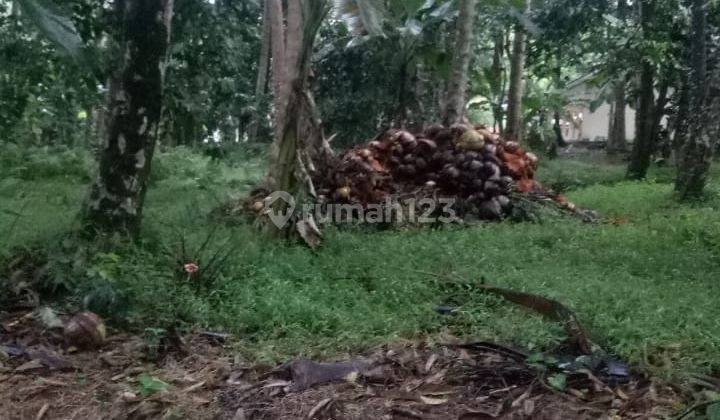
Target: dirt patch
{"x": 40, "y": 375}
{"x": 197, "y": 376}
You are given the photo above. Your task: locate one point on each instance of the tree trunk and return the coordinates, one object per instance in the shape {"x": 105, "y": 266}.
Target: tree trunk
{"x": 643, "y": 146}
{"x": 134, "y": 108}
{"x": 263, "y": 67}
{"x": 277, "y": 37}
{"x": 289, "y": 160}
{"x": 617, "y": 141}
{"x": 659, "y": 112}
{"x": 513, "y": 130}
{"x": 461, "y": 63}
{"x": 680, "y": 125}
{"x": 696, "y": 154}
{"x": 559, "y": 139}
{"x": 496, "y": 82}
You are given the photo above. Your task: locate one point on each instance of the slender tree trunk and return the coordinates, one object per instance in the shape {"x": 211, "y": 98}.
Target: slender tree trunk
{"x": 559, "y": 139}
{"x": 116, "y": 198}
{"x": 643, "y": 146}
{"x": 611, "y": 127}
{"x": 261, "y": 81}
{"x": 513, "y": 130}
{"x": 696, "y": 154}
{"x": 680, "y": 125}
{"x": 617, "y": 141}
{"x": 461, "y": 63}
{"x": 497, "y": 84}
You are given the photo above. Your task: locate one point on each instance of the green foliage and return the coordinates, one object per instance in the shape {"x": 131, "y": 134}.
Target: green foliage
{"x": 212, "y": 69}
{"x": 41, "y": 94}
{"x": 182, "y": 162}
{"x": 365, "y": 82}
{"x": 149, "y": 385}
{"x": 202, "y": 266}
{"x": 35, "y": 163}
{"x": 562, "y": 175}
{"x": 713, "y": 411}
{"x": 558, "y": 381}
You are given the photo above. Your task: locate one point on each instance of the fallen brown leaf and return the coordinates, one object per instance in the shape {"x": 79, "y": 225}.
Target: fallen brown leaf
{"x": 31, "y": 365}
{"x": 433, "y": 401}
{"x": 42, "y": 411}
{"x": 318, "y": 408}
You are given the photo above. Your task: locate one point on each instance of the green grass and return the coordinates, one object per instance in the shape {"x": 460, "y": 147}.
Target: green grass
{"x": 583, "y": 171}
{"x": 646, "y": 286}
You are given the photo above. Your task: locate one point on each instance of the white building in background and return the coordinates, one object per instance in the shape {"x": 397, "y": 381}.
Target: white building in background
{"x": 580, "y": 123}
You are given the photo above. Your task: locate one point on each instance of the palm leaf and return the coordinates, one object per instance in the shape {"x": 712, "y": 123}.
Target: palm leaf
{"x": 59, "y": 29}
{"x": 54, "y": 24}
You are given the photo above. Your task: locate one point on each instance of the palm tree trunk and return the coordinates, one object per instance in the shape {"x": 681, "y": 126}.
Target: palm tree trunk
{"x": 287, "y": 168}
{"x": 513, "y": 130}
{"x": 134, "y": 108}
{"x": 617, "y": 139}
{"x": 261, "y": 81}
{"x": 461, "y": 63}
{"x": 497, "y": 84}
{"x": 680, "y": 125}
{"x": 643, "y": 144}
{"x": 696, "y": 154}
{"x": 279, "y": 76}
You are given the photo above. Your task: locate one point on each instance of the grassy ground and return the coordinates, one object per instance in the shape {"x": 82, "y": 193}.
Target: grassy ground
{"x": 645, "y": 285}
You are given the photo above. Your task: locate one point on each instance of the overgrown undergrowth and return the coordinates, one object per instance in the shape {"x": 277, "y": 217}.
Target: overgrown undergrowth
{"x": 645, "y": 284}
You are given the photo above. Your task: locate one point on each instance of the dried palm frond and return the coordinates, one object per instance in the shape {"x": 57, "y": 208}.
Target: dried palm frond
{"x": 363, "y": 17}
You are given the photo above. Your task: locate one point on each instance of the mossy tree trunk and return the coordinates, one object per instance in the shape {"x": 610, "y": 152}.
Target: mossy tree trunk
{"x": 133, "y": 113}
